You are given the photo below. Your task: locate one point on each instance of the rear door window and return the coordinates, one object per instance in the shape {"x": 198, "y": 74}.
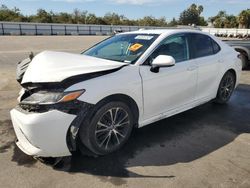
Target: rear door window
{"x": 201, "y": 45}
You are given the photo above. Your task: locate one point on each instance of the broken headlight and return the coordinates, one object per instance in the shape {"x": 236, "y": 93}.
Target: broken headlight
{"x": 45, "y": 97}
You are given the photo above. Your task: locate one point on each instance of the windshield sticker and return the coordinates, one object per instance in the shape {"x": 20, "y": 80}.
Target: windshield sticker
{"x": 144, "y": 37}
{"x": 135, "y": 47}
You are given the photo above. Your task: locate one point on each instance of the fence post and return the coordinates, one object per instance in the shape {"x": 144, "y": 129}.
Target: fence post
{"x": 51, "y": 29}
{"x": 20, "y": 29}
{"x": 65, "y": 30}
{"x": 89, "y": 30}
{"x": 36, "y": 29}
{"x": 3, "y": 29}
{"x": 77, "y": 28}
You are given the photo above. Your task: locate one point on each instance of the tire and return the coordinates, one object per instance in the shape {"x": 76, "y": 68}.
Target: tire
{"x": 244, "y": 61}
{"x": 108, "y": 129}
{"x": 226, "y": 88}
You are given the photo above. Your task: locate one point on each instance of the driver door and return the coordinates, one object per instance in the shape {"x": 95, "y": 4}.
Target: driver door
{"x": 172, "y": 87}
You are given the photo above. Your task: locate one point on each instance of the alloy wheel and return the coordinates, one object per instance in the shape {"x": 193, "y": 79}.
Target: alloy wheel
{"x": 227, "y": 87}
{"x": 112, "y": 128}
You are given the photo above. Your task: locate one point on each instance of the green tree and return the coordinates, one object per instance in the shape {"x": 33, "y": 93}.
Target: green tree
{"x": 113, "y": 19}
{"x": 83, "y": 17}
{"x": 161, "y": 22}
{"x": 218, "y": 20}
{"x": 64, "y": 17}
{"x": 192, "y": 15}
{"x": 127, "y": 21}
{"x": 152, "y": 21}
{"x": 231, "y": 22}
{"x": 223, "y": 20}
{"x": 244, "y": 19}
{"x": 92, "y": 19}
{"x": 12, "y": 15}
{"x": 173, "y": 23}
{"x": 76, "y": 16}
{"x": 42, "y": 16}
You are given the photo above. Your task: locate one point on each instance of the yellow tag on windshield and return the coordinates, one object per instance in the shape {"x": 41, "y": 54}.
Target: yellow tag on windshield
{"x": 135, "y": 47}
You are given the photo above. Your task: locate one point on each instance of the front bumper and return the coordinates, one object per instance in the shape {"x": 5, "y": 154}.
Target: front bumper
{"x": 42, "y": 134}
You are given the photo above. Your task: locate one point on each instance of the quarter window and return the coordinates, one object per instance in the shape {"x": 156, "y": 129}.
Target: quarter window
{"x": 216, "y": 47}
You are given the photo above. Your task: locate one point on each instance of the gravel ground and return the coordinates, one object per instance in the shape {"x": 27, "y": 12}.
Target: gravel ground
{"x": 208, "y": 146}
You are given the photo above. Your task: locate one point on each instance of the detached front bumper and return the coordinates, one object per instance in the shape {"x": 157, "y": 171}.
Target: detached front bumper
{"x": 42, "y": 134}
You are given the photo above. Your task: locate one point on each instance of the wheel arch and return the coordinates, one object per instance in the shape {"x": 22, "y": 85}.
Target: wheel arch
{"x": 82, "y": 146}
{"x": 234, "y": 73}
{"x": 243, "y": 50}
{"x": 122, "y": 98}
{"x": 229, "y": 70}
{"x": 72, "y": 136}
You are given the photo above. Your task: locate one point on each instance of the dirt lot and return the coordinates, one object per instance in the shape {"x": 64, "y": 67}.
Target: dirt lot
{"x": 208, "y": 146}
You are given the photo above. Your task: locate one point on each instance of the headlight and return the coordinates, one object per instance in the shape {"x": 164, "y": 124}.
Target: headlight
{"x": 44, "y": 97}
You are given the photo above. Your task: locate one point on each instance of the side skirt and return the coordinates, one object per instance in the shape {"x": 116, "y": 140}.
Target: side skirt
{"x": 175, "y": 111}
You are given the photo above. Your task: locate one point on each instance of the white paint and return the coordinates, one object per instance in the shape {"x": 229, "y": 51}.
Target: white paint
{"x": 51, "y": 66}
{"x": 157, "y": 95}
{"x": 163, "y": 61}
{"x": 42, "y": 134}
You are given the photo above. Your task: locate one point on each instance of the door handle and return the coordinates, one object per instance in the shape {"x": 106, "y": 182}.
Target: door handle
{"x": 193, "y": 67}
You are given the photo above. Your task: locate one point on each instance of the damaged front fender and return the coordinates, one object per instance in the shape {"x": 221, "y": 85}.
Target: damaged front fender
{"x": 72, "y": 136}
{"x": 22, "y": 67}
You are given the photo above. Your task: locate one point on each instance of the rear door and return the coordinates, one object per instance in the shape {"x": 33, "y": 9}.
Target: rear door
{"x": 204, "y": 51}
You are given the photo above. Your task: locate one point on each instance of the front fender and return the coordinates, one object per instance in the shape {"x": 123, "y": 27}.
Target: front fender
{"x": 125, "y": 81}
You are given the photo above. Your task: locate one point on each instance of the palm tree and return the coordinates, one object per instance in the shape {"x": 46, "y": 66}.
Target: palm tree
{"x": 244, "y": 18}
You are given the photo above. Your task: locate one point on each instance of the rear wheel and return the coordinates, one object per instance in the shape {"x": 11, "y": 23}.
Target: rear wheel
{"x": 226, "y": 88}
{"x": 109, "y": 128}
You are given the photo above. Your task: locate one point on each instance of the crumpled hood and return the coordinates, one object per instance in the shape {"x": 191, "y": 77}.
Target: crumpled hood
{"x": 51, "y": 66}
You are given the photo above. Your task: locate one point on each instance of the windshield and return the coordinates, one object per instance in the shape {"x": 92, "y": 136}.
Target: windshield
{"x": 122, "y": 48}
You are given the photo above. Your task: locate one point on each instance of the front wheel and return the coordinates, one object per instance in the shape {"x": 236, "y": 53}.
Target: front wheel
{"x": 109, "y": 128}
{"x": 226, "y": 88}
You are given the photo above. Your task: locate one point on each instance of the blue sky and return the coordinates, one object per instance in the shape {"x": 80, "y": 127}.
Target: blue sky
{"x": 130, "y": 8}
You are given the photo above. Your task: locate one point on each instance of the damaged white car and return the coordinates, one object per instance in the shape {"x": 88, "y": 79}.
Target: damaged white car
{"x": 93, "y": 100}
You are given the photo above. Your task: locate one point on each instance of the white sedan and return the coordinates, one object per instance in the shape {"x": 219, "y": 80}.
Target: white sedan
{"x": 93, "y": 100}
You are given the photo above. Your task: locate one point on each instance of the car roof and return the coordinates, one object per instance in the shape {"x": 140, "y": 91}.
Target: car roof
{"x": 163, "y": 31}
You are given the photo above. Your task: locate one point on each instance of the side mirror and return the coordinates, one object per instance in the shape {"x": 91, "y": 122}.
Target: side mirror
{"x": 162, "y": 61}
